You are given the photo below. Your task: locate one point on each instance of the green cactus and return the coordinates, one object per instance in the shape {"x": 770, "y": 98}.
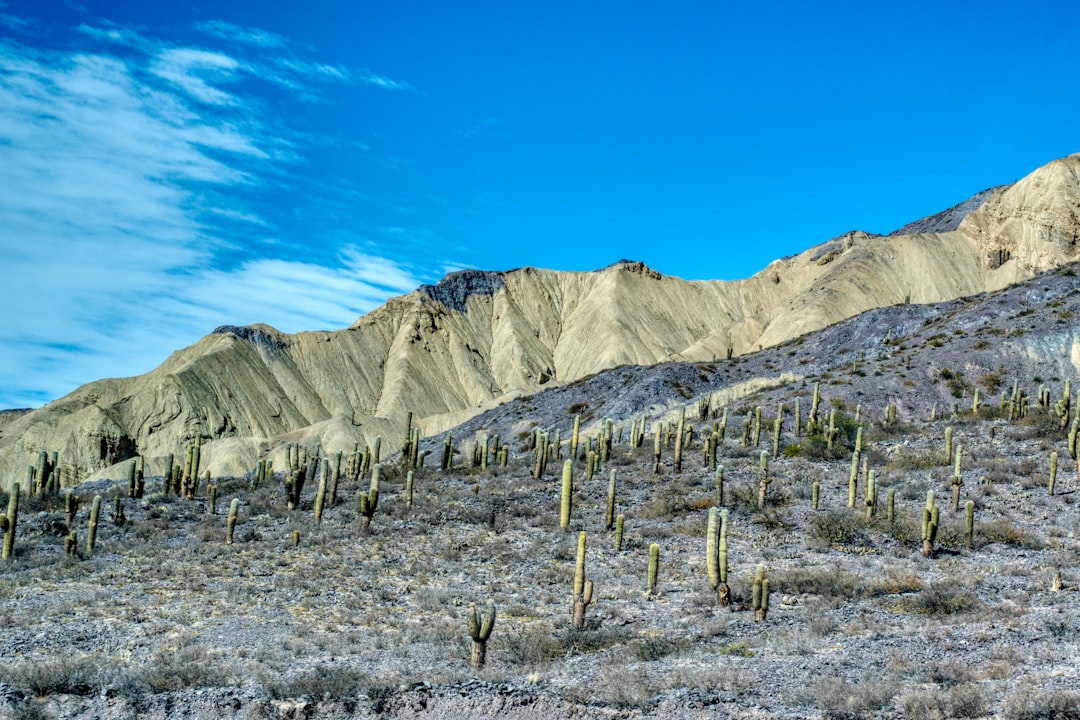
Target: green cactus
{"x": 969, "y": 523}
{"x": 230, "y": 523}
{"x": 720, "y": 485}
{"x": 10, "y": 522}
{"x": 609, "y": 515}
{"x": 757, "y": 426}
{"x": 575, "y": 437}
{"x": 211, "y": 496}
{"x": 118, "y": 516}
{"x": 654, "y": 568}
{"x": 320, "y": 493}
{"x": 91, "y": 530}
{"x": 447, "y": 454}
{"x": 815, "y": 494}
{"x": 760, "y": 596}
{"x": 798, "y": 418}
{"x": 853, "y": 479}
{"x": 948, "y": 444}
{"x": 620, "y": 522}
{"x": 871, "y": 496}
{"x": 957, "y": 481}
{"x": 296, "y": 538}
{"x": 583, "y": 588}
{"x": 410, "y": 481}
{"x": 657, "y": 443}
{"x": 679, "y": 439}
{"x": 763, "y": 480}
{"x": 1053, "y": 472}
{"x": 335, "y": 476}
{"x": 891, "y": 506}
{"x": 71, "y": 543}
{"x": 567, "y": 496}
{"x": 71, "y": 507}
{"x": 480, "y": 627}
{"x": 369, "y": 500}
{"x": 778, "y": 425}
{"x": 716, "y": 555}
{"x": 929, "y": 525}
{"x": 830, "y": 437}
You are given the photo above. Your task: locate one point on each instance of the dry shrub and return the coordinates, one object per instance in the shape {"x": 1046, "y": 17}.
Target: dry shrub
{"x": 961, "y": 701}
{"x": 1035, "y": 704}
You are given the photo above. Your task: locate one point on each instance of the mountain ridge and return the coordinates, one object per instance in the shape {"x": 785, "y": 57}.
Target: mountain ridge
{"x": 448, "y": 351}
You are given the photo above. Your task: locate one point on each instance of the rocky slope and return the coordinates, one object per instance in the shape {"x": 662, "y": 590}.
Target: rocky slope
{"x": 448, "y": 352}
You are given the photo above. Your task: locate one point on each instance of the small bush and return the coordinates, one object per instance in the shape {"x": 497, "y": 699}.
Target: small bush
{"x": 326, "y": 682}
{"x": 942, "y": 599}
{"x": 1034, "y": 704}
{"x": 839, "y": 527}
{"x": 962, "y": 701}
{"x": 842, "y": 700}
{"x": 823, "y": 581}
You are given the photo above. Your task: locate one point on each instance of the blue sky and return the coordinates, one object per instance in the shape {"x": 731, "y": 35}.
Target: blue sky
{"x": 168, "y": 168}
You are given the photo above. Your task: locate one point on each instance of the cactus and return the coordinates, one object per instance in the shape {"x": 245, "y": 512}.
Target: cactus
{"x": 654, "y": 568}
{"x": 890, "y": 504}
{"x": 71, "y": 507}
{"x": 448, "y": 453}
{"x": 211, "y": 496}
{"x": 656, "y": 447}
{"x": 609, "y": 515}
{"x": 679, "y": 439}
{"x": 320, "y": 493}
{"x": 969, "y": 523}
{"x": 575, "y": 437}
{"x": 369, "y": 500}
{"x": 929, "y": 525}
{"x": 815, "y": 494}
{"x": 566, "y": 498}
{"x": 948, "y": 444}
{"x": 957, "y": 480}
{"x": 830, "y": 437}
{"x": 296, "y": 538}
{"x": 620, "y": 522}
{"x": 853, "y": 479}
{"x": 778, "y": 425}
{"x": 480, "y": 626}
{"x": 720, "y": 485}
{"x": 335, "y": 475}
{"x": 764, "y": 480}
{"x": 813, "y": 421}
{"x": 716, "y": 555}
{"x": 757, "y": 426}
{"x": 10, "y": 522}
{"x": 1053, "y": 472}
{"x": 797, "y": 413}
{"x": 71, "y": 543}
{"x": 760, "y": 597}
{"x": 91, "y": 530}
{"x": 230, "y": 523}
{"x": 583, "y": 588}
{"x": 871, "y": 496}
{"x": 118, "y": 517}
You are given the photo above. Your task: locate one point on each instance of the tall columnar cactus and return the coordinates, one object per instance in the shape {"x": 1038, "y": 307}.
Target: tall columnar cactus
{"x": 890, "y": 504}
{"x": 71, "y": 507}
{"x": 9, "y": 522}
{"x": 778, "y": 425}
{"x": 720, "y": 485}
{"x": 832, "y": 433}
{"x": 447, "y": 454}
{"x": 760, "y": 596}
{"x": 969, "y": 523}
{"x": 679, "y": 439}
{"x": 575, "y": 436}
{"x": 654, "y": 569}
{"x": 583, "y": 587}
{"x": 567, "y": 497}
{"x": 798, "y": 418}
{"x": 91, "y": 530}
{"x": 929, "y": 525}
{"x": 294, "y": 486}
{"x": 609, "y": 514}
{"x": 757, "y": 425}
{"x": 620, "y": 523}
{"x": 1053, "y": 472}
{"x": 815, "y": 494}
{"x": 369, "y": 500}
{"x": 230, "y": 523}
{"x": 764, "y": 480}
{"x": 211, "y": 497}
{"x": 480, "y": 627}
{"x": 871, "y": 496}
{"x": 410, "y": 482}
{"x": 948, "y": 444}
{"x": 853, "y": 480}
{"x": 957, "y": 481}
{"x": 716, "y": 556}
{"x": 975, "y": 403}
{"x": 657, "y": 443}
{"x": 320, "y": 493}
{"x": 813, "y": 421}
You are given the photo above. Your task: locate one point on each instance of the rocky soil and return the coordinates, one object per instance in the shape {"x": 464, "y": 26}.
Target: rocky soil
{"x": 165, "y": 620}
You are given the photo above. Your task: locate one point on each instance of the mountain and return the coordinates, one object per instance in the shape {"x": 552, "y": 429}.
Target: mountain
{"x": 449, "y": 351}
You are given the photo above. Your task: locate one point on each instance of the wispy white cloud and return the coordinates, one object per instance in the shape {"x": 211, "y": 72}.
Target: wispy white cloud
{"x": 124, "y": 176}
{"x": 234, "y": 33}
{"x": 369, "y": 78}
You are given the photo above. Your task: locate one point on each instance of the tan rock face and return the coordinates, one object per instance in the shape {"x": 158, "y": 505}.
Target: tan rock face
{"x": 447, "y": 352}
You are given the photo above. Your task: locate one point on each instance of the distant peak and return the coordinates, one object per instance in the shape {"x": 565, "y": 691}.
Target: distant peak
{"x": 456, "y": 288}
{"x": 634, "y": 266}
{"x": 258, "y": 334}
